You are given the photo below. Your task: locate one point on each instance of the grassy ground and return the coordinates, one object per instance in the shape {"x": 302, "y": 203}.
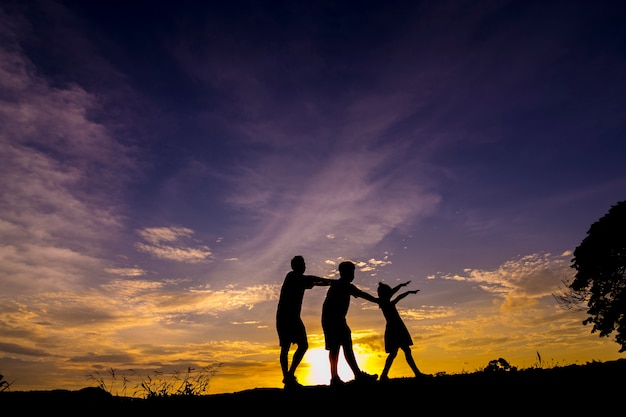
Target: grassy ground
{"x": 596, "y": 388}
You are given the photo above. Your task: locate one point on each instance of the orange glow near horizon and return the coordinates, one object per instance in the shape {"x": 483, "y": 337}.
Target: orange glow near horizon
{"x": 315, "y": 367}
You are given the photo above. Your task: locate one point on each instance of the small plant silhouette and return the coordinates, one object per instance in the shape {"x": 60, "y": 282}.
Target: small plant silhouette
{"x": 4, "y": 384}
{"x": 110, "y": 387}
{"x": 190, "y": 383}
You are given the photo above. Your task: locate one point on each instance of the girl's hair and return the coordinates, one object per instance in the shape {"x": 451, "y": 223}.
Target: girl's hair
{"x": 384, "y": 290}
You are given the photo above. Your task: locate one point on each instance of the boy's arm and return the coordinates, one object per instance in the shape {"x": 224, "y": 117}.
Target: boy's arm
{"x": 363, "y": 294}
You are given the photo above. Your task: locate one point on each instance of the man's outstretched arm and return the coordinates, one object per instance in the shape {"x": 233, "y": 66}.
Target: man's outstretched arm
{"x": 315, "y": 280}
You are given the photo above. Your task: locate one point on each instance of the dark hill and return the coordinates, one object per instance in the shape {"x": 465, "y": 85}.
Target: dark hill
{"x": 592, "y": 389}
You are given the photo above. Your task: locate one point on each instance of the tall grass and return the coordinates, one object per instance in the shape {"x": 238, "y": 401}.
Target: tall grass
{"x": 159, "y": 384}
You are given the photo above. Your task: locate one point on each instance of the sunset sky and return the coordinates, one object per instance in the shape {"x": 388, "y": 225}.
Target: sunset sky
{"x": 162, "y": 161}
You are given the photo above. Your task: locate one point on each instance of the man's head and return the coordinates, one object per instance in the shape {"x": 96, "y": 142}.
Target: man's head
{"x": 297, "y": 264}
{"x": 346, "y": 270}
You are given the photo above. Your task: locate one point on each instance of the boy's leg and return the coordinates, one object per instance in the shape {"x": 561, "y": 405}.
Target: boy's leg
{"x": 333, "y": 357}
{"x": 348, "y": 353}
{"x": 359, "y": 375}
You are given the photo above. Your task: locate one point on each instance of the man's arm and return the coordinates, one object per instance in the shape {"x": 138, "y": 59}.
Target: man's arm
{"x": 315, "y": 280}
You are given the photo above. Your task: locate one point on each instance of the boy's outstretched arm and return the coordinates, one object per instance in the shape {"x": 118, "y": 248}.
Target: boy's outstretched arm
{"x": 367, "y": 296}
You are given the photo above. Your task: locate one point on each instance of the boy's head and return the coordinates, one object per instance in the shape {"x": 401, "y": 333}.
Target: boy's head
{"x": 346, "y": 270}
{"x": 384, "y": 291}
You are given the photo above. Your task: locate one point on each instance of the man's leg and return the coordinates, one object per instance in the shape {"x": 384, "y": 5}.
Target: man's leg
{"x": 297, "y": 357}
{"x": 284, "y": 360}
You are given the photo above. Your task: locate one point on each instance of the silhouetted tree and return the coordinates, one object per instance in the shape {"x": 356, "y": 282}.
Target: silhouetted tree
{"x": 600, "y": 280}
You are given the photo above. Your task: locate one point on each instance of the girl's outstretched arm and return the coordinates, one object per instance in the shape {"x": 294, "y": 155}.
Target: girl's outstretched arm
{"x": 397, "y": 287}
{"x": 404, "y": 294}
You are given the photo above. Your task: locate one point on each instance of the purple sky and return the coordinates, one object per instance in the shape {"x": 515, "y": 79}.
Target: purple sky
{"x": 161, "y": 162}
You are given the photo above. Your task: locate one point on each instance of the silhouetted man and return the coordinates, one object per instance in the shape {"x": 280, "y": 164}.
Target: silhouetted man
{"x": 289, "y": 324}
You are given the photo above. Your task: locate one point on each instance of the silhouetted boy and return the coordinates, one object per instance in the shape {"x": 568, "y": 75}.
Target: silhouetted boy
{"x": 337, "y": 334}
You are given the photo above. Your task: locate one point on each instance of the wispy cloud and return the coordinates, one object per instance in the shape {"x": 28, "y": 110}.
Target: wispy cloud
{"x": 61, "y": 172}
{"x": 163, "y": 244}
{"x": 523, "y": 281}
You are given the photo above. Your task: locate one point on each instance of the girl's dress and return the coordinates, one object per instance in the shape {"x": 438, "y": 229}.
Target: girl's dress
{"x": 396, "y": 333}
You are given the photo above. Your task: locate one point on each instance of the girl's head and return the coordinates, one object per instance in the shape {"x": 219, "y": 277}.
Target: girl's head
{"x": 384, "y": 291}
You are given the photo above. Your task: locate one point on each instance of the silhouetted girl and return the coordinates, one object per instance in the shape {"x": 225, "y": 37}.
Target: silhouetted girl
{"x": 397, "y": 336}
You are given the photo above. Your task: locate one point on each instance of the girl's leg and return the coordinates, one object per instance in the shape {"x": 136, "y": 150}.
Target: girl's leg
{"x": 388, "y": 362}
{"x": 410, "y": 361}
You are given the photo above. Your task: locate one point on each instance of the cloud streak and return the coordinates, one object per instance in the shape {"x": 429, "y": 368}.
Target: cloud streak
{"x": 162, "y": 243}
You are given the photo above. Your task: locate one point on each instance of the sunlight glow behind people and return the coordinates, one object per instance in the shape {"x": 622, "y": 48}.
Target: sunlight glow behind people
{"x": 316, "y": 366}
{"x": 317, "y": 369}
